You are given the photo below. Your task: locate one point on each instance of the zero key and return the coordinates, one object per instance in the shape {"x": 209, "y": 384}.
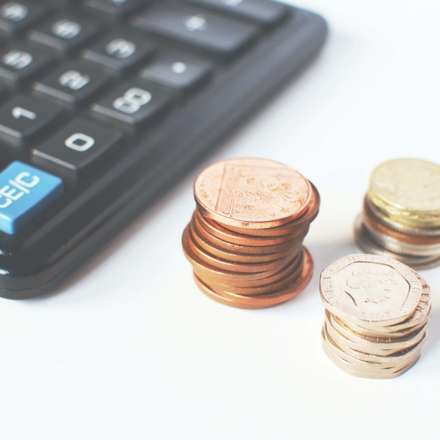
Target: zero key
{"x": 24, "y": 192}
{"x": 77, "y": 149}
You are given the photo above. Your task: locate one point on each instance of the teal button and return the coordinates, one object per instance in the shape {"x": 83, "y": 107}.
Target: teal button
{"x": 24, "y": 192}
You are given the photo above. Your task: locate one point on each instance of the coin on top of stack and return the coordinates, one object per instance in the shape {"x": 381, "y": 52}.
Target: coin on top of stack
{"x": 377, "y": 311}
{"x": 401, "y": 213}
{"x": 245, "y": 239}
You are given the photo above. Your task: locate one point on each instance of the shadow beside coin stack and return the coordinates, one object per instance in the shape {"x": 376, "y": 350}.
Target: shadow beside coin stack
{"x": 250, "y": 265}
{"x": 377, "y": 312}
{"x": 401, "y": 213}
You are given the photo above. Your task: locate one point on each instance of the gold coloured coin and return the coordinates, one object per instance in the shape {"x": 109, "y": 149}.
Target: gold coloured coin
{"x": 408, "y": 190}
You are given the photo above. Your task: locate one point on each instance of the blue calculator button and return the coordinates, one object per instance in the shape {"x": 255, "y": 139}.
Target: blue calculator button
{"x": 24, "y": 191}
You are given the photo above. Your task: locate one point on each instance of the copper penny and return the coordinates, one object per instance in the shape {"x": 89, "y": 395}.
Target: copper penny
{"x": 240, "y": 248}
{"x": 232, "y": 280}
{"x": 218, "y": 263}
{"x": 264, "y": 289}
{"x": 263, "y": 301}
{"x": 252, "y": 193}
{"x": 295, "y": 227}
{"x": 236, "y": 257}
{"x": 237, "y": 238}
{"x": 214, "y": 272}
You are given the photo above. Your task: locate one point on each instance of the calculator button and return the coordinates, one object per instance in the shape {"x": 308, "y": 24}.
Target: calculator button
{"x": 24, "y": 117}
{"x": 3, "y": 91}
{"x": 134, "y": 103}
{"x": 22, "y": 61}
{"x": 73, "y": 83}
{"x": 116, "y": 8}
{"x": 120, "y": 50}
{"x": 179, "y": 71}
{"x": 65, "y": 32}
{"x": 196, "y": 27}
{"x": 24, "y": 192}
{"x": 18, "y": 15}
{"x": 261, "y": 11}
{"x": 77, "y": 149}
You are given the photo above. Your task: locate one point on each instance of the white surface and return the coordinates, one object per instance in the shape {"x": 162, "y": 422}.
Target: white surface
{"x": 132, "y": 350}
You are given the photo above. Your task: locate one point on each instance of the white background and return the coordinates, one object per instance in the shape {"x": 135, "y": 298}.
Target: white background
{"x": 131, "y": 349}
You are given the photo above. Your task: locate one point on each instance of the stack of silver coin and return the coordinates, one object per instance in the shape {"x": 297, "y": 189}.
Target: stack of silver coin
{"x": 377, "y": 312}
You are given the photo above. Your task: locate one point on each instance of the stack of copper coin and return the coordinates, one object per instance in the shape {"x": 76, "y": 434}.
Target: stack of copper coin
{"x": 401, "y": 215}
{"x": 245, "y": 239}
{"x": 377, "y": 311}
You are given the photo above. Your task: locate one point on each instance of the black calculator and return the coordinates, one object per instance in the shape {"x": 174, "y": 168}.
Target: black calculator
{"x": 104, "y": 104}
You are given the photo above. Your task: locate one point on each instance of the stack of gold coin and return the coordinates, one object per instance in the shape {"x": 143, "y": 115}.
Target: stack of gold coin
{"x": 245, "y": 239}
{"x": 377, "y": 311}
{"x": 401, "y": 213}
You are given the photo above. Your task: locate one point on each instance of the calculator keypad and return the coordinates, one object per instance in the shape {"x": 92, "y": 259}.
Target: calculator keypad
{"x": 93, "y": 74}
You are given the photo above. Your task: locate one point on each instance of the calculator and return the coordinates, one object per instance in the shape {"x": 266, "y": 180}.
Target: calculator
{"x": 105, "y": 104}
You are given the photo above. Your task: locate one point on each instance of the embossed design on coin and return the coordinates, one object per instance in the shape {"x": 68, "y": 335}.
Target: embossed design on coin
{"x": 408, "y": 184}
{"x": 253, "y": 193}
{"x": 371, "y": 288}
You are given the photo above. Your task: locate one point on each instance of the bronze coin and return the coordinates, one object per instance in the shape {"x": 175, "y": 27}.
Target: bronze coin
{"x": 252, "y": 193}
{"x": 264, "y": 289}
{"x": 214, "y": 272}
{"x": 296, "y": 227}
{"x": 234, "y": 257}
{"x": 232, "y": 237}
{"x": 218, "y": 263}
{"x": 241, "y": 248}
{"x": 232, "y": 280}
{"x": 263, "y": 301}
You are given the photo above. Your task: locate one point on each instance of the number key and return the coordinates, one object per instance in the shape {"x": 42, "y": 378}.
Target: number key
{"x": 120, "y": 50}
{"x": 18, "y": 15}
{"x": 24, "y": 117}
{"x": 22, "y": 61}
{"x": 65, "y": 32}
{"x": 134, "y": 103}
{"x": 73, "y": 83}
{"x": 75, "y": 151}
